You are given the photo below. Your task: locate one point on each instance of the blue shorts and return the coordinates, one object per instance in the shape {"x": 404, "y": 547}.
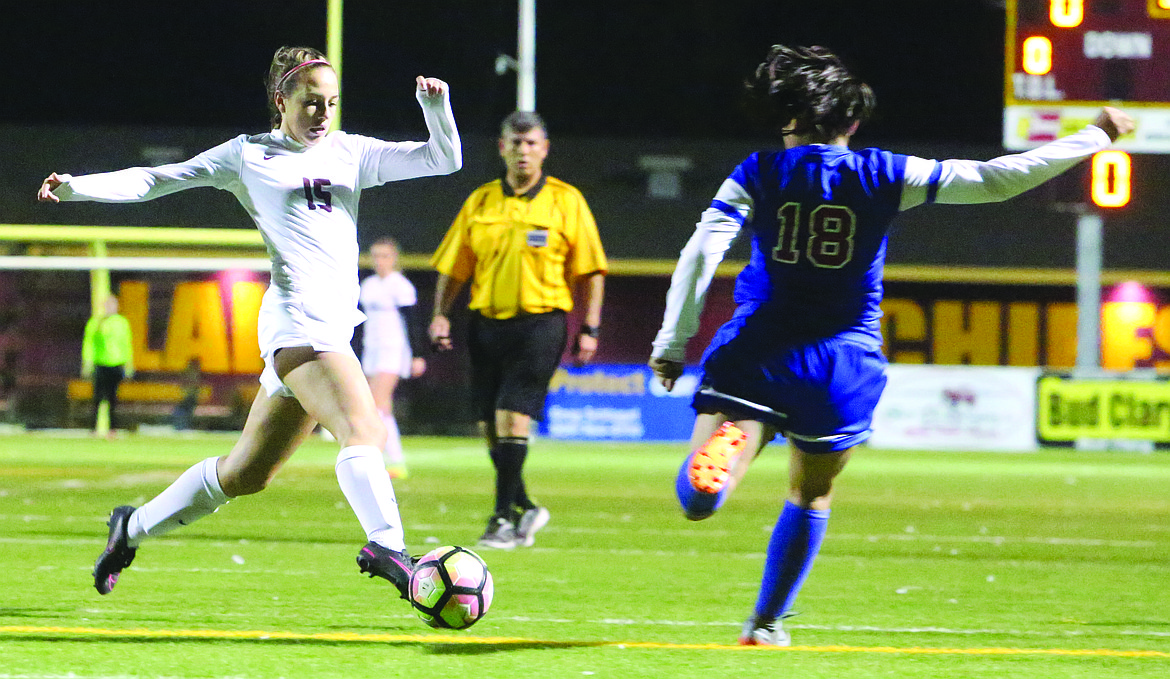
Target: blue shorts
{"x": 820, "y": 394}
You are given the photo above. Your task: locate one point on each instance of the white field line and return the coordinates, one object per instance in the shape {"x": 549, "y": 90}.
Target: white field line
{"x": 995, "y": 540}
{"x": 206, "y": 616}
{"x": 831, "y": 536}
{"x": 623, "y": 622}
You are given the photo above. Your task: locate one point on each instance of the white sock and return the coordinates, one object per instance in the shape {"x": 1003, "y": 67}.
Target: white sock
{"x": 393, "y": 440}
{"x": 361, "y": 471}
{"x": 194, "y": 495}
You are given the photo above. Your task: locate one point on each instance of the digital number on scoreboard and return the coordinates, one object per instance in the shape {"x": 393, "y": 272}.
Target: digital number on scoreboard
{"x": 1068, "y": 58}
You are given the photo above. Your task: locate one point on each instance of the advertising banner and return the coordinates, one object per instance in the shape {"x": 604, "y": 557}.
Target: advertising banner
{"x": 1103, "y": 409}
{"x": 957, "y": 408}
{"x": 619, "y": 403}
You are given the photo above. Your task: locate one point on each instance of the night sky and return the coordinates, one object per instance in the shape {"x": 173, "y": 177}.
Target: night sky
{"x": 623, "y": 68}
{"x": 619, "y": 68}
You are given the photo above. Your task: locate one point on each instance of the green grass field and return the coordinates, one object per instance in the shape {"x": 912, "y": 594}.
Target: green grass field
{"x": 1055, "y": 564}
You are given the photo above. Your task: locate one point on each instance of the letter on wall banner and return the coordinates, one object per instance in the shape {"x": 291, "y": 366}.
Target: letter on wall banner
{"x": 246, "y": 297}
{"x": 134, "y": 304}
{"x": 1125, "y": 337}
{"x": 197, "y": 328}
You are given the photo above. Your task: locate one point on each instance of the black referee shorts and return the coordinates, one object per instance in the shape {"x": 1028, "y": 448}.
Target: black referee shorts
{"x": 513, "y": 360}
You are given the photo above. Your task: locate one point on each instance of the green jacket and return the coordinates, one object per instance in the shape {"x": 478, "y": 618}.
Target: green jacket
{"x": 107, "y": 343}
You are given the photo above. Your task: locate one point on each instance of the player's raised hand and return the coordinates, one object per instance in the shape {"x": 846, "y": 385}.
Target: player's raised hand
{"x": 668, "y": 372}
{"x": 45, "y": 194}
{"x": 1115, "y": 122}
{"x": 430, "y": 90}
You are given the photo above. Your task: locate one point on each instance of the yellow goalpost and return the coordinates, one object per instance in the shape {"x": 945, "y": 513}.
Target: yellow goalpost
{"x": 135, "y": 248}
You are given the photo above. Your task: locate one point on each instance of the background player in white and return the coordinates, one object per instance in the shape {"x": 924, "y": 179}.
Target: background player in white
{"x": 300, "y": 183}
{"x": 391, "y": 340}
{"x": 802, "y": 353}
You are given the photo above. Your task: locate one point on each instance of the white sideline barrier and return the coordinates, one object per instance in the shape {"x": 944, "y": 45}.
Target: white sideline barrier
{"x": 956, "y": 407}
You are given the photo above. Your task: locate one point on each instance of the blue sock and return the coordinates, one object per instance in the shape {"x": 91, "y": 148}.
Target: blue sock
{"x": 696, "y": 505}
{"x": 791, "y": 552}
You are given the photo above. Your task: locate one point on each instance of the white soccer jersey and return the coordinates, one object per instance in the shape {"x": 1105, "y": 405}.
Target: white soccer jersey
{"x": 385, "y": 338}
{"x": 304, "y": 200}
{"x": 382, "y": 298}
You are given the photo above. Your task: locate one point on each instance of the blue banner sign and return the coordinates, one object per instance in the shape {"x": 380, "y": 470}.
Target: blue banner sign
{"x": 618, "y": 403}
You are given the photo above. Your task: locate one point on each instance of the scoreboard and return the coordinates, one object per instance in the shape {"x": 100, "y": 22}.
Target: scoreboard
{"x": 1067, "y": 58}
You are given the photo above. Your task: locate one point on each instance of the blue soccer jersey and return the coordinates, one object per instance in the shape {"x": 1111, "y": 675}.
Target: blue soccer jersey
{"x": 818, "y": 216}
{"x": 803, "y": 349}
{"x": 818, "y": 235}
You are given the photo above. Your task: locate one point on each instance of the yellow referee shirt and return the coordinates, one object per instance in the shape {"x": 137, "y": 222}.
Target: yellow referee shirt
{"x": 522, "y": 253}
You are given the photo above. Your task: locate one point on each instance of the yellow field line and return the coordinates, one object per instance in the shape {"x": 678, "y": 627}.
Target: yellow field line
{"x": 462, "y": 639}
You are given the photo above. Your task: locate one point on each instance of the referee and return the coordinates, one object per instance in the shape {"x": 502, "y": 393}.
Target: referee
{"x": 525, "y": 241}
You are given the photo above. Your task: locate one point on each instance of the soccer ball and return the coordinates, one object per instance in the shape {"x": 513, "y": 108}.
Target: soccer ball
{"x": 451, "y": 588}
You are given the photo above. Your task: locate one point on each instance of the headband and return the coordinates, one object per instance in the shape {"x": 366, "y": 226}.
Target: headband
{"x": 294, "y": 69}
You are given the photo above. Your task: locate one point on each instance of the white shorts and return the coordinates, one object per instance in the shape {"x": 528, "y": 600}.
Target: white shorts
{"x": 394, "y": 359}
{"x": 286, "y": 322}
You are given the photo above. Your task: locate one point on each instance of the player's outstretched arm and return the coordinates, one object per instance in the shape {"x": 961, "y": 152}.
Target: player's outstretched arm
{"x": 972, "y": 181}
{"x": 215, "y": 167}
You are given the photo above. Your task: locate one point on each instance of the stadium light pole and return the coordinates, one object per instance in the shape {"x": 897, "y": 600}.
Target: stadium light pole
{"x": 333, "y": 25}
{"x": 1090, "y": 227}
{"x": 526, "y": 56}
{"x": 1090, "y": 239}
{"x": 524, "y": 63}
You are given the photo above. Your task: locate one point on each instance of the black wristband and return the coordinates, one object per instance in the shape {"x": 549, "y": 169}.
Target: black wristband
{"x": 593, "y": 331}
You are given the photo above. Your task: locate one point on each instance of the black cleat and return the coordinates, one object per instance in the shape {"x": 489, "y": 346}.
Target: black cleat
{"x": 389, "y": 565}
{"x": 118, "y": 554}
{"x": 500, "y": 534}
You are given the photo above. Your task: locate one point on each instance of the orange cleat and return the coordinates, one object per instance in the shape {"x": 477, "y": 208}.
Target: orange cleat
{"x": 710, "y": 466}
